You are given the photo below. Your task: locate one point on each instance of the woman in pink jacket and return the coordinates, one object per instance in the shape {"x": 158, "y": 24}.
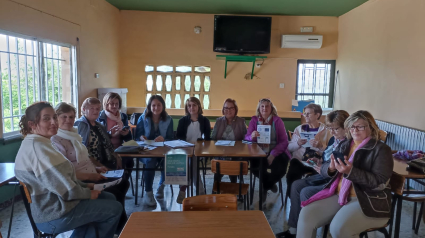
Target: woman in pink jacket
{"x": 277, "y": 150}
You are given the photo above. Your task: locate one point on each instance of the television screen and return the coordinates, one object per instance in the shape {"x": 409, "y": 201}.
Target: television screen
{"x": 243, "y": 35}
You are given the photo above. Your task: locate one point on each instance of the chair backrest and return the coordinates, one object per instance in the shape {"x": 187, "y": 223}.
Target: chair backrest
{"x": 397, "y": 184}
{"x": 229, "y": 167}
{"x": 383, "y": 136}
{"x": 290, "y": 133}
{"x": 26, "y": 198}
{"x": 213, "y": 202}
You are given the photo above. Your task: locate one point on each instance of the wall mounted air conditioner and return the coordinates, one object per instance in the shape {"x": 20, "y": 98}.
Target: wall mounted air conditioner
{"x": 302, "y": 41}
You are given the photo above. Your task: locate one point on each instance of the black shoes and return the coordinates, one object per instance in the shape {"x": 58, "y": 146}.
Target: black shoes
{"x": 285, "y": 234}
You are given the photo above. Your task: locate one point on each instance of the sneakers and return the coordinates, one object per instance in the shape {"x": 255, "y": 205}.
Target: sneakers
{"x": 160, "y": 191}
{"x": 274, "y": 188}
{"x": 149, "y": 200}
{"x": 182, "y": 195}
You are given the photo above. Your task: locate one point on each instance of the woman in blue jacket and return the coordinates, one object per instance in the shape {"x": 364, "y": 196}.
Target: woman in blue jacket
{"x": 154, "y": 124}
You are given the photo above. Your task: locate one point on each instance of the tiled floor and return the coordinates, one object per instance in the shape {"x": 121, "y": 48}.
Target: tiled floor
{"x": 274, "y": 212}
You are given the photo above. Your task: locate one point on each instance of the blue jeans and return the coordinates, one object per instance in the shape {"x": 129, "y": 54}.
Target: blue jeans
{"x": 151, "y": 163}
{"x": 104, "y": 212}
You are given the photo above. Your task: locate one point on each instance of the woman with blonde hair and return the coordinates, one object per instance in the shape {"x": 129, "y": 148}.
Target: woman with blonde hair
{"x": 358, "y": 196}
{"x": 277, "y": 151}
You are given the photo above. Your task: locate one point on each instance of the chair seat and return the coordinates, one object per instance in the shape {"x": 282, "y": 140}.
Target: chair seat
{"x": 231, "y": 188}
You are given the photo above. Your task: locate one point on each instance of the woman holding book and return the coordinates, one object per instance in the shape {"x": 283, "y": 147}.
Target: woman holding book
{"x": 192, "y": 127}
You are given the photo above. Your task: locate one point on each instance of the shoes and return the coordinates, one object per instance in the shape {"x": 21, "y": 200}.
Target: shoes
{"x": 149, "y": 200}
{"x": 264, "y": 196}
{"x": 274, "y": 189}
{"x": 160, "y": 191}
{"x": 180, "y": 197}
{"x": 285, "y": 234}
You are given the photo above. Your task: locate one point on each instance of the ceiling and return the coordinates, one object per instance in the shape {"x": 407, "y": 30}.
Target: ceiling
{"x": 249, "y": 7}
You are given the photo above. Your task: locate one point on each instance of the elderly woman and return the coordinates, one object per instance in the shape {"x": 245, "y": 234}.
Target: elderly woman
{"x": 303, "y": 189}
{"x": 229, "y": 127}
{"x": 69, "y": 143}
{"x": 357, "y": 197}
{"x": 192, "y": 127}
{"x": 60, "y": 202}
{"x": 277, "y": 150}
{"x": 154, "y": 124}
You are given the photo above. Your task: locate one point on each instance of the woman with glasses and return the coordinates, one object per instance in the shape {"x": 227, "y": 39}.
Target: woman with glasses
{"x": 229, "y": 127}
{"x": 277, "y": 151}
{"x": 303, "y": 189}
{"x": 192, "y": 127}
{"x": 358, "y": 196}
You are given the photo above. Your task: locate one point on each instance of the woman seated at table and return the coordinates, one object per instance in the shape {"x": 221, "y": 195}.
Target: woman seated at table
{"x": 358, "y": 196}
{"x": 60, "y": 202}
{"x": 69, "y": 143}
{"x": 303, "y": 189}
{"x": 192, "y": 127}
{"x": 154, "y": 124}
{"x": 277, "y": 151}
{"x": 229, "y": 127}
{"x": 312, "y": 114}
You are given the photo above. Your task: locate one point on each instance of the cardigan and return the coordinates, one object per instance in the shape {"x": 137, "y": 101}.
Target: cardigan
{"x": 145, "y": 125}
{"x": 238, "y": 125}
{"x": 50, "y": 179}
{"x": 184, "y": 122}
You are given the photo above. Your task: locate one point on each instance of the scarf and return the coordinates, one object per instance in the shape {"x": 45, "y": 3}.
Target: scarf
{"x": 345, "y": 187}
{"x": 77, "y": 142}
{"x": 116, "y": 118}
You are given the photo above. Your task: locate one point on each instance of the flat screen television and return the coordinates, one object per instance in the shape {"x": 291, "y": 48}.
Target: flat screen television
{"x": 241, "y": 34}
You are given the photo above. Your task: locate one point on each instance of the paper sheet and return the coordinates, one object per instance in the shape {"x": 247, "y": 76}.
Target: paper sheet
{"x": 114, "y": 173}
{"x": 150, "y": 143}
{"x": 130, "y": 143}
{"x": 178, "y": 143}
{"x": 294, "y": 103}
{"x": 265, "y": 132}
{"x": 308, "y": 136}
{"x": 102, "y": 186}
{"x": 225, "y": 143}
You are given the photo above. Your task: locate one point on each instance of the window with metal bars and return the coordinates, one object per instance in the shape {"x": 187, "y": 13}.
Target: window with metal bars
{"x": 33, "y": 70}
{"x": 177, "y": 84}
{"x": 315, "y": 80}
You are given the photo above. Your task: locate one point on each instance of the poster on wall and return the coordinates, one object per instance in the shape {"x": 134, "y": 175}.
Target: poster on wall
{"x": 176, "y": 169}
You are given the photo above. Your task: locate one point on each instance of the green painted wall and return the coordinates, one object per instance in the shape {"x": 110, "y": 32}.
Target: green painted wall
{"x": 8, "y": 153}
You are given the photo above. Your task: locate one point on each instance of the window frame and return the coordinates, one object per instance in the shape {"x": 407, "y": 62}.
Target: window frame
{"x": 41, "y": 75}
{"x": 331, "y": 80}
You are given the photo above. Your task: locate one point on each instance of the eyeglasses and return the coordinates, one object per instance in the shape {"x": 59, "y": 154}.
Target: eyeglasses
{"x": 332, "y": 129}
{"x": 228, "y": 108}
{"x": 359, "y": 128}
{"x": 307, "y": 114}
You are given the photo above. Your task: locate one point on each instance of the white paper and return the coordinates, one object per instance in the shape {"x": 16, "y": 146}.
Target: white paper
{"x": 308, "y": 136}
{"x": 308, "y": 164}
{"x": 294, "y": 103}
{"x": 265, "y": 132}
{"x": 178, "y": 143}
{"x": 130, "y": 143}
{"x": 225, "y": 143}
{"x": 102, "y": 186}
{"x": 114, "y": 173}
{"x": 150, "y": 143}
{"x": 176, "y": 169}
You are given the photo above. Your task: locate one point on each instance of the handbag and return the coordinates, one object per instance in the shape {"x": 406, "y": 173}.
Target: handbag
{"x": 309, "y": 153}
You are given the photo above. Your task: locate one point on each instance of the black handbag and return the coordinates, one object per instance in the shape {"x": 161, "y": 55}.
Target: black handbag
{"x": 134, "y": 118}
{"x": 309, "y": 153}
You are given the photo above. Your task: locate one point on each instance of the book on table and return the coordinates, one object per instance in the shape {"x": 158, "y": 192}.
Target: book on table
{"x": 225, "y": 143}
{"x": 178, "y": 144}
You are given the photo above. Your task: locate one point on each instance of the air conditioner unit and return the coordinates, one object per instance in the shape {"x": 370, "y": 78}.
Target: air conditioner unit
{"x": 302, "y": 41}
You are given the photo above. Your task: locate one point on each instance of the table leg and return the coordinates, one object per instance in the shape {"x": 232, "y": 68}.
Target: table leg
{"x": 191, "y": 175}
{"x": 11, "y": 212}
{"x": 137, "y": 181}
{"x": 197, "y": 176}
{"x": 260, "y": 190}
{"x": 398, "y": 217}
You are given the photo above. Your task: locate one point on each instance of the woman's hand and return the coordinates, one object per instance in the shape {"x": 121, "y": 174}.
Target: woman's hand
{"x": 96, "y": 177}
{"x": 114, "y": 130}
{"x": 318, "y": 163}
{"x": 95, "y": 194}
{"x": 102, "y": 169}
{"x": 316, "y": 143}
{"x": 332, "y": 167}
{"x": 255, "y": 134}
{"x": 301, "y": 142}
{"x": 143, "y": 138}
{"x": 270, "y": 159}
{"x": 344, "y": 168}
{"x": 159, "y": 139}
{"x": 90, "y": 186}
{"x": 124, "y": 132}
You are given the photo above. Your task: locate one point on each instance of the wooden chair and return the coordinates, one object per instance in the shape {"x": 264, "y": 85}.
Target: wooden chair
{"x": 26, "y": 197}
{"x": 383, "y": 136}
{"x": 223, "y": 167}
{"x": 290, "y": 133}
{"x": 213, "y": 202}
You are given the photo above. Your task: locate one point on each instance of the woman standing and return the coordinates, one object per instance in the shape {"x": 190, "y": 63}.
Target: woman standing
{"x": 192, "y": 127}
{"x": 154, "y": 124}
{"x": 277, "y": 151}
{"x": 69, "y": 143}
{"x": 60, "y": 202}
{"x": 358, "y": 196}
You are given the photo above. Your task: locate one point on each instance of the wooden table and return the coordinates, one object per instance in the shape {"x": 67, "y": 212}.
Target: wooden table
{"x": 249, "y": 151}
{"x": 401, "y": 168}
{"x": 195, "y": 224}
{"x": 158, "y": 152}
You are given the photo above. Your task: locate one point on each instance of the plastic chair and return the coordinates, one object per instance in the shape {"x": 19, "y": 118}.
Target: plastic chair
{"x": 383, "y": 136}
{"x": 212, "y": 202}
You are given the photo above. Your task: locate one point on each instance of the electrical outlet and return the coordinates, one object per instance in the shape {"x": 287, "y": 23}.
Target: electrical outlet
{"x": 307, "y": 29}
{"x": 258, "y": 65}
{"x": 281, "y": 85}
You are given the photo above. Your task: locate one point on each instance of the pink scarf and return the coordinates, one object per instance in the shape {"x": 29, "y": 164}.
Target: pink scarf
{"x": 345, "y": 187}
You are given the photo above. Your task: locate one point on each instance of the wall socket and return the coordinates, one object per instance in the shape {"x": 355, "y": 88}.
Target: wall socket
{"x": 281, "y": 85}
{"x": 307, "y": 29}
